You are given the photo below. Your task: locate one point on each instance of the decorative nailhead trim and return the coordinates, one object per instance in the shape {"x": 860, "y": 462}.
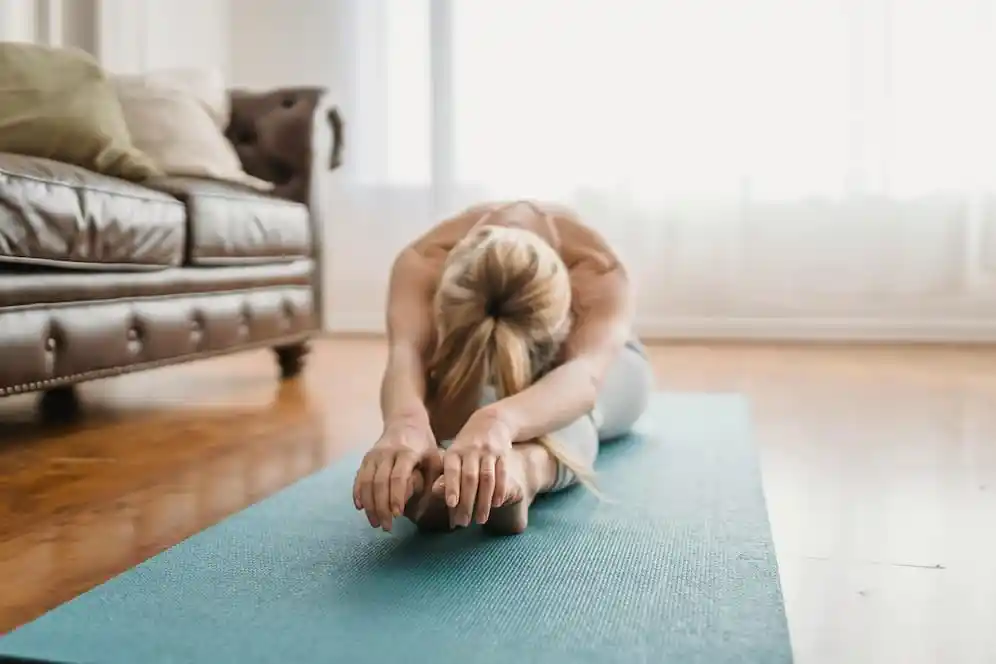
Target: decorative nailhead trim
{"x": 108, "y": 372}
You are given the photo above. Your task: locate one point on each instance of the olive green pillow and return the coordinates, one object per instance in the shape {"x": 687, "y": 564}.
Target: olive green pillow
{"x": 59, "y": 104}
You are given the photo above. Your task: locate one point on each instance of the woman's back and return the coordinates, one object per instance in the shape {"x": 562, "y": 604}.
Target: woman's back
{"x": 584, "y": 251}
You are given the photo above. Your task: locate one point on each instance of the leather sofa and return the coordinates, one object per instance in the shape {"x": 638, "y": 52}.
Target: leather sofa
{"x": 99, "y": 276}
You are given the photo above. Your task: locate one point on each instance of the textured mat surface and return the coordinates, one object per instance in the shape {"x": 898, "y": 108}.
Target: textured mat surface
{"x": 678, "y": 568}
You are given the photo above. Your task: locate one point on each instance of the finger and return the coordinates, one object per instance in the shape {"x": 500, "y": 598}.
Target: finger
{"x": 469, "y": 479}
{"x": 363, "y": 475}
{"x": 432, "y": 466}
{"x": 414, "y": 485}
{"x": 501, "y": 485}
{"x": 400, "y": 482}
{"x": 382, "y": 493}
{"x": 367, "y": 491}
{"x": 485, "y": 489}
{"x": 451, "y": 478}
{"x": 357, "y": 498}
{"x": 439, "y": 486}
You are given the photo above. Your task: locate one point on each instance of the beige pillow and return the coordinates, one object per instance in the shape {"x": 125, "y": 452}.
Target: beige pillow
{"x": 207, "y": 84}
{"x": 180, "y": 128}
{"x": 58, "y": 104}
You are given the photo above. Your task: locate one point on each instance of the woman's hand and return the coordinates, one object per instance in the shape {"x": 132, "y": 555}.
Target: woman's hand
{"x": 389, "y": 473}
{"x": 474, "y": 472}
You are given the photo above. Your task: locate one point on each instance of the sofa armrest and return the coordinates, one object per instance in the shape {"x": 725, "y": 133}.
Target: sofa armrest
{"x": 287, "y": 136}
{"x": 291, "y": 137}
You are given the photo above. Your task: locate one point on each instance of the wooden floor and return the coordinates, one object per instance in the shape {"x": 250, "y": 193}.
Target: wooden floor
{"x": 879, "y": 468}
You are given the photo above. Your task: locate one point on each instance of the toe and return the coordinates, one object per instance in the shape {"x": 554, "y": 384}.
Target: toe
{"x": 510, "y": 520}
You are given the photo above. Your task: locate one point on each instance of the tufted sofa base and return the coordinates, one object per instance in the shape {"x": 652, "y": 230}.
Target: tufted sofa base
{"x": 49, "y": 346}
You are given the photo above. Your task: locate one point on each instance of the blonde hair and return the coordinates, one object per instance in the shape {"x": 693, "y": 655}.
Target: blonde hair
{"x": 502, "y": 309}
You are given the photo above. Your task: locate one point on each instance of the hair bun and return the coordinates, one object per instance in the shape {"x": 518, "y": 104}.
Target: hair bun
{"x": 494, "y": 307}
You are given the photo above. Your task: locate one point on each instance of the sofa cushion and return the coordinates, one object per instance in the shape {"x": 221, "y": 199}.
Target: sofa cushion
{"x": 56, "y": 214}
{"x": 229, "y": 224}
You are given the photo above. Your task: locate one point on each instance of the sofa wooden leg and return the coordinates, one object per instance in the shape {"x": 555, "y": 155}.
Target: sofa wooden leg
{"x": 291, "y": 359}
{"x": 59, "y": 405}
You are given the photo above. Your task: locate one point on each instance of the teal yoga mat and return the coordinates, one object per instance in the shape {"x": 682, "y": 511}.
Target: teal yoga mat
{"x": 678, "y": 567}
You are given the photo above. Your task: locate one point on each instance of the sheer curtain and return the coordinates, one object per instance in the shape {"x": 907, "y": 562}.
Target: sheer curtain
{"x": 772, "y": 168}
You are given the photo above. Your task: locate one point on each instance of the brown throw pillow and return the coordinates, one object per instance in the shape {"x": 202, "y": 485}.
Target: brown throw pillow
{"x": 59, "y": 104}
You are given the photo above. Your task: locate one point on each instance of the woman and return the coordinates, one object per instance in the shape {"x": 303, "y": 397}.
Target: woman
{"x": 510, "y": 331}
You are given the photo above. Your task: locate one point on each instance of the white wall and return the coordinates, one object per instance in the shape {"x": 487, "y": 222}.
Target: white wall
{"x": 17, "y": 20}
{"x": 139, "y": 35}
{"x": 284, "y": 43}
{"x": 40, "y": 21}
{"x": 127, "y": 35}
{"x": 257, "y": 43}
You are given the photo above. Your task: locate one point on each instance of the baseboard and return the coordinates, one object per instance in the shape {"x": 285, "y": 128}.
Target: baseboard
{"x": 353, "y": 323}
{"x": 821, "y": 329}
{"x": 979, "y": 331}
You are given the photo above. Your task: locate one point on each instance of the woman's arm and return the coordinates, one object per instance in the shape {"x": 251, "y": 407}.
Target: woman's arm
{"x": 604, "y": 305}
{"x": 409, "y": 333}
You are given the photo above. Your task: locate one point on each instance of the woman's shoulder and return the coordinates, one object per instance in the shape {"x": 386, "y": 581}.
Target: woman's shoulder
{"x": 441, "y": 237}
{"x": 561, "y": 225}
{"x": 581, "y": 244}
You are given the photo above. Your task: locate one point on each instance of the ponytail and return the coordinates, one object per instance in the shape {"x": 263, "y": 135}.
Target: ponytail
{"x": 509, "y": 360}
{"x": 461, "y": 360}
{"x": 510, "y": 363}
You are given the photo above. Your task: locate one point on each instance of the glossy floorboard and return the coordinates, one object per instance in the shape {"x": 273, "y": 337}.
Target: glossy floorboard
{"x": 879, "y": 467}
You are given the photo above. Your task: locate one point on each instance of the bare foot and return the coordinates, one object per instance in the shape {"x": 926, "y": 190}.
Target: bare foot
{"x": 435, "y": 516}
{"x": 509, "y": 519}
{"x": 529, "y": 468}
